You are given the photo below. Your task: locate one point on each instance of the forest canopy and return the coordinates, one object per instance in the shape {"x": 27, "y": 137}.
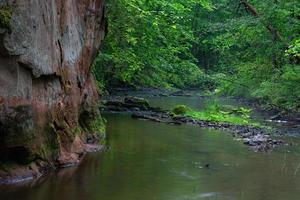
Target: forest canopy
{"x": 246, "y": 48}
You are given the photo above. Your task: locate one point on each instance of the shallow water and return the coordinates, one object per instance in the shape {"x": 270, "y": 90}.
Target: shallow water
{"x": 153, "y": 161}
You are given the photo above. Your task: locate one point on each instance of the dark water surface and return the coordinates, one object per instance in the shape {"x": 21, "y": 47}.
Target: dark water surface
{"x": 153, "y": 161}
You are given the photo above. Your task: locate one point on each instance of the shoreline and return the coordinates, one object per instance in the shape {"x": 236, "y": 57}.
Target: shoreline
{"x": 269, "y": 114}
{"x": 257, "y": 138}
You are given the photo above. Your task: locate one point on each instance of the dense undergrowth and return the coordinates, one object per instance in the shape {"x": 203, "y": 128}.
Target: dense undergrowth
{"x": 246, "y": 48}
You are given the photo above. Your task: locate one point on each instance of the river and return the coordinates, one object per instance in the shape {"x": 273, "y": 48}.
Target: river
{"x": 153, "y": 161}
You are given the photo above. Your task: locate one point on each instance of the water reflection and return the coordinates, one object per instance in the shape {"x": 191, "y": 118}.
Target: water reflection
{"x": 153, "y": 161}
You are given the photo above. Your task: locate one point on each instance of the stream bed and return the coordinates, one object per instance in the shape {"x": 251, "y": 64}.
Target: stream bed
{"x": 154, "y": 161}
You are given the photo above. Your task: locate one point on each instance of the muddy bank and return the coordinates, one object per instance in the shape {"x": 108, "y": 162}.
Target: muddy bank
{"x": 258, "y": 139}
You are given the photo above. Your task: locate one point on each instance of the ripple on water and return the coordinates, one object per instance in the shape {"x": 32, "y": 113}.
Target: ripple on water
{"x": 206, "y": 195}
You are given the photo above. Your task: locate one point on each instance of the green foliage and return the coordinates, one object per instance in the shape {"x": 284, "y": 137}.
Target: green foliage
{"x": 181, "y": 110}
{"x": 246, "y": 48}
{"x": 283, "y": 90}
{"x": 253, "y": 56}
{"x": 229, "y": 114}
{"x": 294, "y": 49}
{"x": 5, "y": 17}
{"x": 247, "y": 77}
{"x": 279, "y": 89}
{"x": 218, "y": 117}
{"x": 239, "y": 111}
{"x": 149, "y": 44}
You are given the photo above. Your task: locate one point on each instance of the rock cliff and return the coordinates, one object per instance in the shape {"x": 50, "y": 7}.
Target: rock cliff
{"x": 48, "y": 97}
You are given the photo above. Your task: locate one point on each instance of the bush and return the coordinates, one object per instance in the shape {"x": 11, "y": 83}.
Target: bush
{"x": 283, "y": 90}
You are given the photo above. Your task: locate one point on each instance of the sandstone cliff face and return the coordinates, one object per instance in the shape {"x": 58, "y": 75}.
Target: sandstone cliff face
{"x": 47, "y": 93}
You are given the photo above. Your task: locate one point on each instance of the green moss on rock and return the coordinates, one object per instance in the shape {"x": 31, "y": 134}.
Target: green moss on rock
{"x": 181, "y": 110}
{"x": 5, "y": 17}
{"x": 91, "y": 121}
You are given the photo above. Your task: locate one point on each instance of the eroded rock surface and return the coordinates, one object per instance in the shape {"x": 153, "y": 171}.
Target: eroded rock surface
{"x": 47, "y": 93}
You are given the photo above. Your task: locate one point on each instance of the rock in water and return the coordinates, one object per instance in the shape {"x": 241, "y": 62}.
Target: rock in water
{"x": 139, "y": 102}
{"x": 47, "y": 92}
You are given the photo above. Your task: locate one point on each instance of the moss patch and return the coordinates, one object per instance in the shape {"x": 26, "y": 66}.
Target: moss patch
{"x": 214, "y": 113}
{"x": 97, "y": 125}
{"x": 181, "y": 110}
{"x": 91, "y": 121}
{"x": 5, "y": 17}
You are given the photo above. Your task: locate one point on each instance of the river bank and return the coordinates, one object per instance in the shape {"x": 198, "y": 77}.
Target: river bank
{"x": 259, "y": 139}
{"x": 268, "y": 114}
{"x": 286, "y": 121}
{"x": 151, "y": 160}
